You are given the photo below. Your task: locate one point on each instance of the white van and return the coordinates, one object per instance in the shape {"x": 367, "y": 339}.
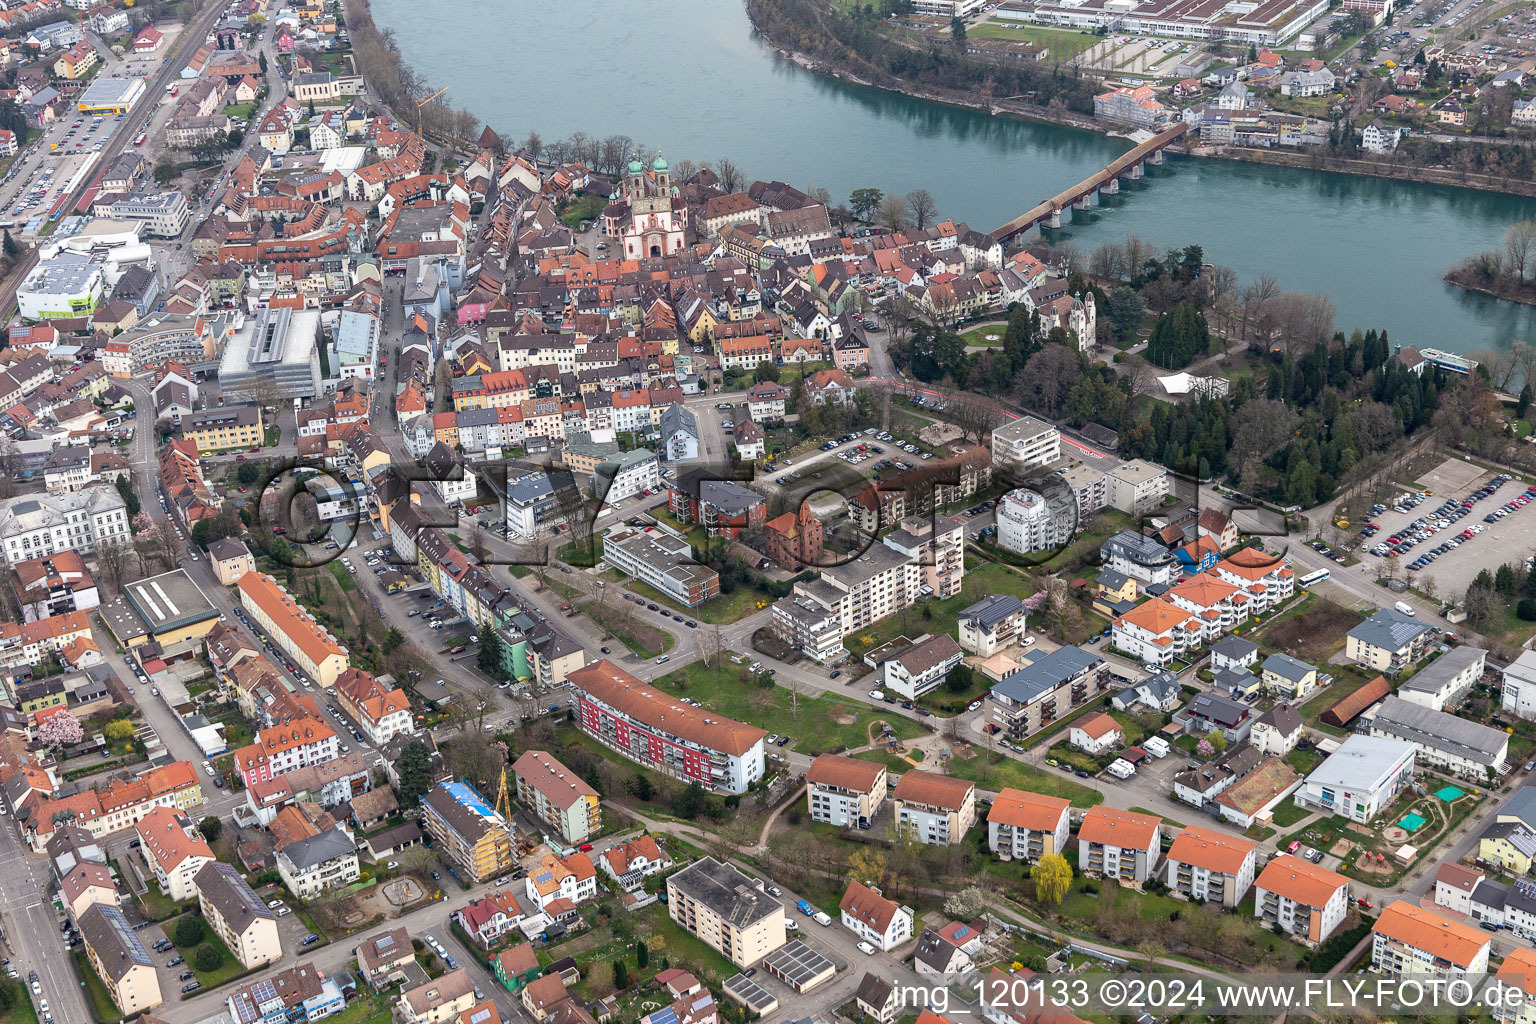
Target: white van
{"x": 1406, "y": 609}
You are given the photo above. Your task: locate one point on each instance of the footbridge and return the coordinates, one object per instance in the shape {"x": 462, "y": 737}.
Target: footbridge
{"x": 1057, "y": 210}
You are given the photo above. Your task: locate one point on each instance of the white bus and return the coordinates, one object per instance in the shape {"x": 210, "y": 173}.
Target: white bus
{"x": 1313, "y": 577}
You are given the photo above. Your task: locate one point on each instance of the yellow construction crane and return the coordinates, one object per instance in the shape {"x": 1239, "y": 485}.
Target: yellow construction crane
{"x": 423, "y": 103}
{"x": 503, "y": 798}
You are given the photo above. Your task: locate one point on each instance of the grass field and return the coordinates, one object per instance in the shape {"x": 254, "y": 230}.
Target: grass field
{"x": 640, "y": 636}
{"x": 102, "y": 1007}
{"x": 1288, "y": 814}
{"x": 985, "y": 337}
{"x": 821, "y": 724}
{"x": 1063, "y": 46}
{"x": 738, "y": 604}
{"x": 228, "y": 967}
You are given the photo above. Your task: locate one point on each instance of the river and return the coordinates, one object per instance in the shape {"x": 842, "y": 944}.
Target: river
{"x": 691, "y": 77}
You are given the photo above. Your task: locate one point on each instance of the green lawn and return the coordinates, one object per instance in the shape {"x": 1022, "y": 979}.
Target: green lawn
{"x": 241, "y": 111}
{"x": 228, "y": 968}
{"x": 1288, "y": 814}
{"x": 985, "y": 337}
{"x": 732, "y": 607}
{"x": 102, "y": 1006}
{"x": 933, "y": 615}
{"x": 630, "y": 638}
{"x": 1063, "y": 46}
{"x": 994, "y": 771}
{"x": 375, "y": 1009}
{"x": 821, "y": 724}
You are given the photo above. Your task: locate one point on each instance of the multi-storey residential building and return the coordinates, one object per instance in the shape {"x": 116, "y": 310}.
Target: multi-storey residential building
{"x": 218, "y": 430}
{"x": 230, "y": 559}
{"x": 875, "y": 919}
{"x": 1141, "y": 558}
{"x": 878, "y": 583}
{"x": 920, "y": 492}
{"x": 845, "y": 791}
{"x": 662, "y": 560}
{"x": 1519, "y": 686}
{"x": 1447, "y": 680}
{"x": 1212, "y": 866}
{"x": 38, "y": 525}
{"x": 1043, "y": 691}
{"x": 1442, "y": 740}
{"x": 440, "y": 1000}
{"x": 1267, "y": 580}
{"x": 1303, "y": 900}
{"x": 311, "y": 646}
{"x": 285, "y": 748}
{"x": 120, "y": 959}
{"x": 727, "y": 910}
{"x": 1027, "y": 826}
{"x": 1411, "y": 939}
{"x": 1220, "y": 606}
{"x": 1388, "y": 642}
{"x": 937, "y": 545}
{"x": 318, "y": 864}
{"x": 29, "y": 643}
{"x": 121, "y": 804}
{"x": 381, "y": 712}
{"x": 1136, "y": 487}
{"x": 1024, "y": 445}
{"x": 725, "y": 509}
{"x": 1359, "y": 779}
{"x": 1517, "y": 977}
{"x": 174, "y": 850}
{"x": 936, "y": 810}
{"x": 991, "y": 624}
{"x": 663, "y": 733}
{"x": 920, "y": 668}
{"x": 1118, "y": 844}
{"x": 237, "y": 915}
{"x": 625, "y": 475}
{"x": 86, "y": 884}
{"x": 1030, "y": 522}
{"x": 1157, "y": 632}
{"x": 468, "y": 830}
{"x": 558, "y": 796}
{"x": 557, "y": 886}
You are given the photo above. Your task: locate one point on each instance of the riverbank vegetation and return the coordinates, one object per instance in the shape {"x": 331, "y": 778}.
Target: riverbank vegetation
{"x": 1509, "y": 273}
{"x": 854, "y": 39}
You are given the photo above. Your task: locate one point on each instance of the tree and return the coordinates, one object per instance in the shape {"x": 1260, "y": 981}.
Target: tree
{"x": 392, "y": 640}
{"x": 130, "y": 499}
{"x": 490, "y": 658}
{"x": 969, "y": 903}
{"x": 1524, "y": 401}
{"x": 189, "y": 931}
{"x": 957, "y": 31}
{"x": 920, "y": 203}
{"x": 867, "y": 864}
{"x": 119, "y": 730}
{"x": 261, "y": 60}
{"x": 415, "y": 769}
{"x": 864, "y": 202}
{"x": 767, "y": 370}
{"x": 8, "y": 244}
{"x": 1052, "y": 876}
{"x": 730, "y": 175}
{"x": 620, "y": 975}
{"x": 1125, "y": 310}
{"x": 60, "y": 730}
{"x": 640, "y": 786}
{"x": 1178, "y": 337}
{"x": 211, "y": 827}
{"x": 892, "y": 213}
{"x": 207, "y": 957}
{"x": 960, "y": 679}
{"x": 642, "y": 954}
{"x": 1217, "y": 739}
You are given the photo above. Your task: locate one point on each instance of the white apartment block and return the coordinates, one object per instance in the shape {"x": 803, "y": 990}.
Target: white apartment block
{"x": 1136, "y": 487}
{"x": 1027, "y": 826}
{"x": 845, "y": 791}
{"x": 1410, "y": 939}
{"x": 1213, "y": 866}
{"x": 1024, "y": 445}
{"x": 1305, "y": 901}
{"x": 37, "y": 525}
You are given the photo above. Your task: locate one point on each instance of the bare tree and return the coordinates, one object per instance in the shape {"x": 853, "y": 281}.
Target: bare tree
{"x": 466, "y": 129}
{"x": 892, "y": 213}
{"x": 730, "y": 175}
{"x": 683, "y": 170}
{"x": 533, "y": 146}
{"x": 577, "y": 512}
{"x": 920, "y": 203}
{"x": 477, "y": 540}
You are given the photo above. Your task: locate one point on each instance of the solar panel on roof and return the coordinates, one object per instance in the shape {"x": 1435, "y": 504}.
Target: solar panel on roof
{"x": 263, "y": 990}
{"x": 663, "y": 1016}
{"x": 962, "y": 931}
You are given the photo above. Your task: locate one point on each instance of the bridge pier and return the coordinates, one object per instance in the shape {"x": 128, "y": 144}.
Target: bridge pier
{"x": 1155, "y": 158}
{"x": 1134, "y": 172}
{"x": 1111, "y": 187}
{"x": 1086, "y": 201}
{"x": 1059, "y": 217}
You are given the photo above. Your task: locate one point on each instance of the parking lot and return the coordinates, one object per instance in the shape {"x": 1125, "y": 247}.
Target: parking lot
{"x": 1452, "y": 529}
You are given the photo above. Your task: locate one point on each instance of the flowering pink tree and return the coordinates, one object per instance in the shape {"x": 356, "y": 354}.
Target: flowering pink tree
{"x": 1205, "y": 748}
{"x": 60, "y": 730}
{"x": 142, "y": 522}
